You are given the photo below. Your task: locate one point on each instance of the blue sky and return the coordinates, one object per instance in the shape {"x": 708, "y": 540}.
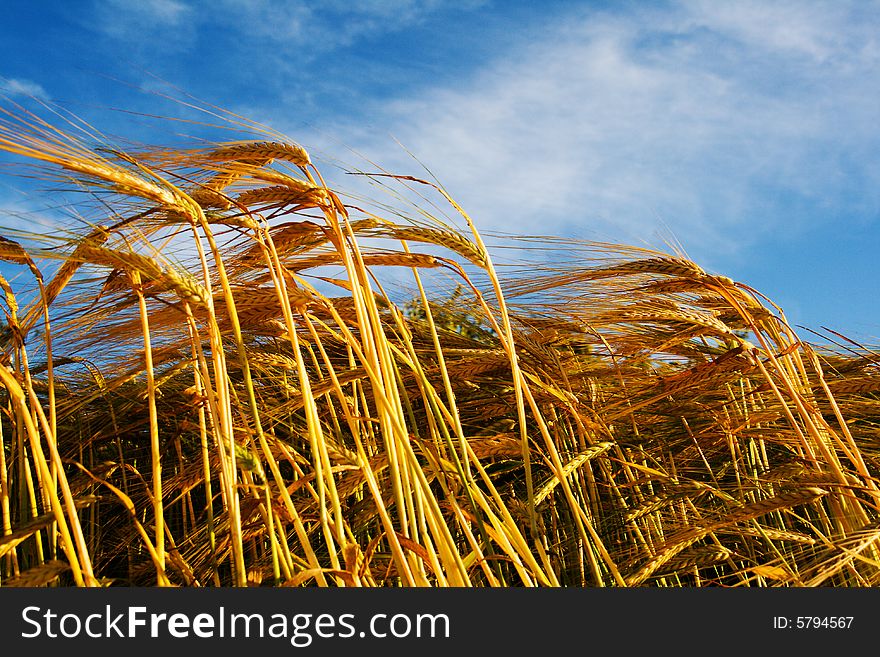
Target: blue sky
{"x": 748, "y": 131}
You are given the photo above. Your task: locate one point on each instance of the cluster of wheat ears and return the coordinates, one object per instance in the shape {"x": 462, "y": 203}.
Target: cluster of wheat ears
{"x": 212, "y": 382}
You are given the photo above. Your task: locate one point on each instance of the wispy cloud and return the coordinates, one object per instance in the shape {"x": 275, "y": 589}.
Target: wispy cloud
{"x": 811, "y": 29}
{"x": 137, "y": 21}
{"x": 293, "y": 26}
{"x": 20, "y": 87}
{"x": 717, "y": 120}
{"x": 344, "y": 21}
{"x": 163, "y": 12}
{"x": 21, "y": 211}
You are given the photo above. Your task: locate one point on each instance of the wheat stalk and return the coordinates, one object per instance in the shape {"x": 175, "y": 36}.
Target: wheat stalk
{"x": 260, "y": 151}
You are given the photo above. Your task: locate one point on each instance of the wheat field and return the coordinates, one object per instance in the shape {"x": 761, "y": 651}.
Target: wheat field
{"x": 223, "y": 374}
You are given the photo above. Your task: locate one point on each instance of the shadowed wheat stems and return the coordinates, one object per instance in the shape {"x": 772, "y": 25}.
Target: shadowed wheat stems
{"x": 234, "y": 376}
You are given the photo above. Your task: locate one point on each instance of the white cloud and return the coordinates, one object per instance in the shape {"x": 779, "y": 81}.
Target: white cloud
{"x": 710, "y": 118}
{"x": 131, "y": 21}
{"x": 165, "y": 12}
{"x": 22, "y": 213}
{"x": 287, "y": 25}
{"x": 329, "y": 24}
{"x": 288, "y": 22}
{"x": 801, "y": 28}
{"x": 20, "y": 87}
